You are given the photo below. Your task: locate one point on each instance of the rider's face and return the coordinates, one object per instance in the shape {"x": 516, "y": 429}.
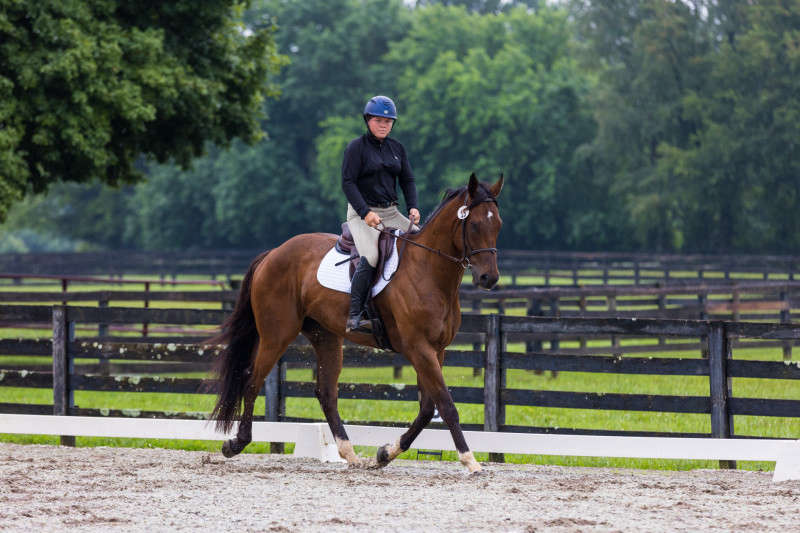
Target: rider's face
{"x": 380, "y": 126}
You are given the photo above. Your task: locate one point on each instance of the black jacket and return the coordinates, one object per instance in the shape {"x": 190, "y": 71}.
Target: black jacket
{"x": 371, "y": 170}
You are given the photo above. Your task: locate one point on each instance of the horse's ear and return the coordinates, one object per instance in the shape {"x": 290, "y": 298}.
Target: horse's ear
{"x": 497, "y": 187}
{"x": 472, "y": 188}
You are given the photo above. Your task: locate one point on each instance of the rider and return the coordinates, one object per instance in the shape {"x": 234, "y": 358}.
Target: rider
{"x": 373, "y": 165}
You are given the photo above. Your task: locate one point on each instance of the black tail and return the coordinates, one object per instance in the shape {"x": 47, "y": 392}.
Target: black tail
{"x": 233, "y": 367}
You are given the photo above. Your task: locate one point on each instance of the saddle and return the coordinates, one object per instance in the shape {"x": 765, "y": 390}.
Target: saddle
{"x": 345, "y": 245}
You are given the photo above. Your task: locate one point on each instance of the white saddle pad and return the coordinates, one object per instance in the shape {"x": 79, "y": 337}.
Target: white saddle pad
{"x": 338, "y": 277}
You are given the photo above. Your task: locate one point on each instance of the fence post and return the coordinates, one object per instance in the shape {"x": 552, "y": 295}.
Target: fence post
{"x": 582, "y": 305}
{"x": 662, "y": 309}
{"x": 721, "y": 419}
{"x": 554, "y": 312}
{"x": 786, "y": 318}
{"x": 492, "y": 381}
{"x": 611, "y": 299}
{"x": 534, "y": 309}
{"x": 102, "y": 333}
{"x": 273, "y": 400}
{"x": 476, "y": 308}
{"x": 62, "y": 368}
{"x": 145, "y": 325}
{"x": 702, "y": 302}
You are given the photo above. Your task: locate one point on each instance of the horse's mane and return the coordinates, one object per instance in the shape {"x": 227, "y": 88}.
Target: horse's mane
{"x": 481, "y": 193}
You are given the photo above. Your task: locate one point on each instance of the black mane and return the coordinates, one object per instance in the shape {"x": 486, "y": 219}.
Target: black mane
{"x": 481, "y": 193}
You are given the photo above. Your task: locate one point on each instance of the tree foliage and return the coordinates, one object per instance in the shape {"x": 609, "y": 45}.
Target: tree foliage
{"x": 629, "y": 125}
{"x": 86, "y": 87}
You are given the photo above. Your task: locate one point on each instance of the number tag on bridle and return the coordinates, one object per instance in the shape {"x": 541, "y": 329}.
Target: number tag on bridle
{"x": 463, "y": 212}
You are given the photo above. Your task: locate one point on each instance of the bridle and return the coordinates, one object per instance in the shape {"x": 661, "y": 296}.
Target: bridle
{"x": 463, "y": 214}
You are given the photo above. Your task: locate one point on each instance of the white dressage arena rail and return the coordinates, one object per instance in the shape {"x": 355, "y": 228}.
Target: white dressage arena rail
{"x": 314, "y": 440}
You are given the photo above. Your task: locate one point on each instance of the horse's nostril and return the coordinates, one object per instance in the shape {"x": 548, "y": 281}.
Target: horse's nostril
{"x": 484, "y": 278}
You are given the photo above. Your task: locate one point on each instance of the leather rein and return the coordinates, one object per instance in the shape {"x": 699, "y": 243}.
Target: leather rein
{"x": 463, "y": 213}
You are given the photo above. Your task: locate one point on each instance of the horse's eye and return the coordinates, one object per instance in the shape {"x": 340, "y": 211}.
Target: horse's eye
{"x": 473, "y": 225}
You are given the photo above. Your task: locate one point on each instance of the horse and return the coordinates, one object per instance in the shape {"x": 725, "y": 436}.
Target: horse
{"x": 280, "y": 298}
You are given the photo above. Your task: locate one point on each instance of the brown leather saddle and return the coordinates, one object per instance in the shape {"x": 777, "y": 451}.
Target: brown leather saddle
{"x": 345, "y": 245}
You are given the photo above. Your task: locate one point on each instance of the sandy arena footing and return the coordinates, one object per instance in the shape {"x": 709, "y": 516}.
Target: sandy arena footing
{"x": 52, "y": 488}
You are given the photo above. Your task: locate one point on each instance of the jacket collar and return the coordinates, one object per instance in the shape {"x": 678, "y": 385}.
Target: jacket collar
{"x": 374, "y": 140}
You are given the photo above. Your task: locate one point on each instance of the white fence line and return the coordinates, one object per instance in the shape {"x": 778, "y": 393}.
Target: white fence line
{"x": 315, "y": 440}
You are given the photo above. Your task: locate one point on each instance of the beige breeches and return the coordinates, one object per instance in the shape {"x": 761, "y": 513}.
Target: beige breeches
{"x": 366, "y": 238}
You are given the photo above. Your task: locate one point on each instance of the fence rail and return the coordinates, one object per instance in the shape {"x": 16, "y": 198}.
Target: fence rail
{"x": 558, "y": 267}
{"x": 492, "y": 356}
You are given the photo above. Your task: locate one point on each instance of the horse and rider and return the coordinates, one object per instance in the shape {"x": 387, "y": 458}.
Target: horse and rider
{"x": 281, "y": 297}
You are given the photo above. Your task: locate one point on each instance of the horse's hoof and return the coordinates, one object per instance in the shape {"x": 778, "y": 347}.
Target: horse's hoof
{"x": 360, "y": 464}
{"x": 382, "y": 457}
{"x": 228, "y": 449}
{"x": 476, "y": 474}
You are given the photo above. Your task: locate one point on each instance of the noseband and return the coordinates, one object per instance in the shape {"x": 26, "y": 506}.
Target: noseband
{"x": 463, "y": 214}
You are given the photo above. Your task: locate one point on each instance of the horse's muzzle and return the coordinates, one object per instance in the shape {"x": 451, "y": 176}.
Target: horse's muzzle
{"x": 486, "y": 281}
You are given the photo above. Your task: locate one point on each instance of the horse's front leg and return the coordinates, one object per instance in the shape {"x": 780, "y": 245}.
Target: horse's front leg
{"x": 388, "y": 452}
{"x": 429, "y": 375}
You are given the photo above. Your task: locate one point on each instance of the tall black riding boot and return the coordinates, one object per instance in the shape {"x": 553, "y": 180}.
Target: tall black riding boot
{"x": 358, "y": 293}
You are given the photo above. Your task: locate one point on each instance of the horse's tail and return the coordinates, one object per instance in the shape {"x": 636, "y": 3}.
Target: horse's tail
{"x": 233, "y": 367}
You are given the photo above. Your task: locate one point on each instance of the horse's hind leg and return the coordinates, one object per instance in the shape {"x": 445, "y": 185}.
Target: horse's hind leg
{"x": 244, "y": 435}
{"x": 328, "y": 347}
{"x": 267, "y": 354}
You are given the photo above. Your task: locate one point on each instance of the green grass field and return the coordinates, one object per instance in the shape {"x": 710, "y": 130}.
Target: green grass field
{"x": 404, "y": 412}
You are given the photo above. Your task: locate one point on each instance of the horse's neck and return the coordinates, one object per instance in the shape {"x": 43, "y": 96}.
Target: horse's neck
{"x": 429, "y": 267}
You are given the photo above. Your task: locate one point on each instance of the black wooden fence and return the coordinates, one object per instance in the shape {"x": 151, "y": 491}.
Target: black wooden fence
{"x": 554, "y": 267}
{"x": 751, "y": 301}
{"x": 489, "y": 335}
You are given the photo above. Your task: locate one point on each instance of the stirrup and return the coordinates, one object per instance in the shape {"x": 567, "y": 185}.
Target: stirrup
{"x": 363, "y": 326}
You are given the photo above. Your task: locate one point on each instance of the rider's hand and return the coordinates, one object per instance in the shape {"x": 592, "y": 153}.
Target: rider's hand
{"x": 372, "y": 219}
{"x": 413, "y": 215}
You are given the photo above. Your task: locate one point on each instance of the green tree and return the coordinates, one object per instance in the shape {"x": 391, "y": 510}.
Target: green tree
{"x": 260, "y": 196}
{"x": 648, "y": 56}
{"x": 492, "y": 94}
{"x": 739, "y": 176}
{"x": 86, "y": 87}
{"x": 230, "y": 198}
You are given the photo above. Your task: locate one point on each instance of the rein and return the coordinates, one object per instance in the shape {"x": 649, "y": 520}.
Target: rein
{"x": 464, "y": 260}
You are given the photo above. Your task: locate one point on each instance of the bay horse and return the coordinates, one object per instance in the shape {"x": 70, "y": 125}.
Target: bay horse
{"x": 280, "y": 297}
